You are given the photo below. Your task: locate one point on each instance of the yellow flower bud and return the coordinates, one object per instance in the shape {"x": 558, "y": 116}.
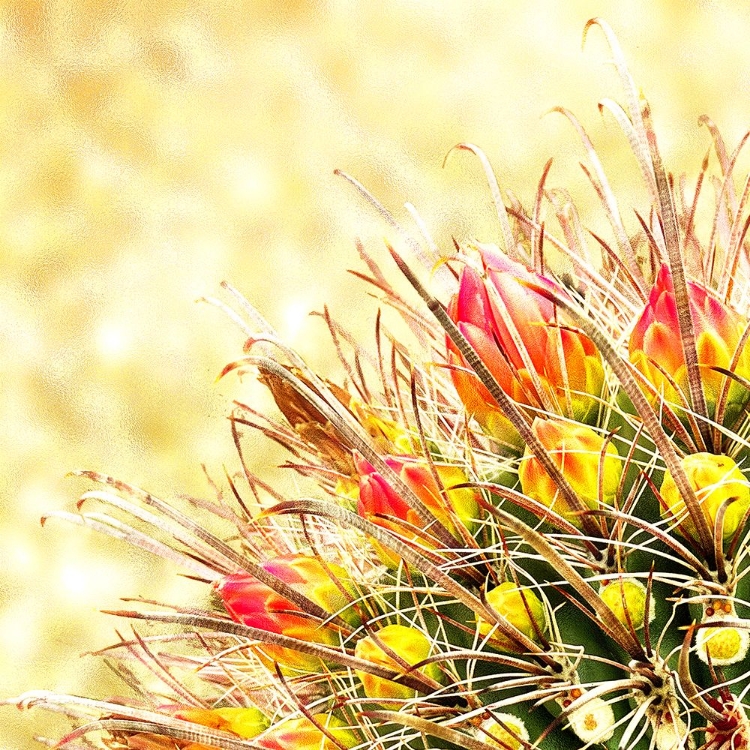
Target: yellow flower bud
{"x": 302, "y": 734}
{"x": 244, "y": 722}
{"x": 410, "y": 645}
{"x": 715, "y": 479}
{"x": 504, "y": 730}
{"x": 627, "y": 594}
{"x": 725, "y": 645}
{"x": 520, "y": 607}
{"x": 387, "y": 435}
{"x": 577, "y": 451}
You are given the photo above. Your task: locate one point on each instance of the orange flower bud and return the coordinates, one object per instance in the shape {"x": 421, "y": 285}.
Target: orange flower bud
{"x": 577, "y": 452}
{"x": 244, "y": 722}
{"x": 716, "y": 480}
{"x": 379, "y": 503}
{"x": 253, "y": 603}
{"x": 409, "y": 644}
{"x": 718, "y": 330}
{"x": 519, "y": 335}
{"x": 302, "y": 734}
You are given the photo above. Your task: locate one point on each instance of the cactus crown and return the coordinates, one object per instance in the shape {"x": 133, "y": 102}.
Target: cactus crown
{"x": 529, "y": 527}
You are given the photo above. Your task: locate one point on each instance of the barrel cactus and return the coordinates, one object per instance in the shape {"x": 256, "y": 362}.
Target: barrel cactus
{"x": 525, "y": 526}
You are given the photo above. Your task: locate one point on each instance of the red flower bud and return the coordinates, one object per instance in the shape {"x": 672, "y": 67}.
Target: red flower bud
{"x": 655, "y": 348}
{"x": 379, "y": 503}
{"x": 517, "y": 332}
{"x": 253, "y": 603}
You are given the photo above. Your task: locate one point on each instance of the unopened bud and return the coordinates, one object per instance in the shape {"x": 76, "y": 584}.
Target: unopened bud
{"x": 577, "y": 452}
{"x": 408, "y": 644}
{"x": 253, "y": 603}
{"x": 244, "y": 722}
{"x": 626, "y": 597}
{"x": 717, "y": 481}
{"x": 503, "y": 730}
{"x": 303, "y": 734}
{"x": 520, "y": 607}
{"x": 726, "y": 643}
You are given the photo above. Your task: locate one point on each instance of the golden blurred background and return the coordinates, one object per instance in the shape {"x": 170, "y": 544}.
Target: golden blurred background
{"x": 149, "y": 151}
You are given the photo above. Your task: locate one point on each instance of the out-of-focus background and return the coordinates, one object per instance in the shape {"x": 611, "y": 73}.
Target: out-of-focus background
{"x": 150, "y": 150}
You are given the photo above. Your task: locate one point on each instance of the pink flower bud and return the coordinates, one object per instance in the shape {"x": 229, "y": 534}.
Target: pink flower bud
{"x": 520, "y": 336}
{"x": 252, "y": 603}
{"x": 655, "y": 348}
{"x": 379, "y": 503}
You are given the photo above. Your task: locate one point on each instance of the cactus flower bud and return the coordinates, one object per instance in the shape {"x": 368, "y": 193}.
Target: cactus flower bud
{"x": 626, "y": 597}
{"x": 519, "y": 335}
{"x": 520, "y": 607}
{"x": 724, "y": 645}
{"x": 503, "y": 730}
{"x": 244, "y": 722}
{"x": 252, "y": 603}
{"x": 408, "y": 644}
{"x": 378, "y": 501}
{"x": 302, "y": 734}
{"x": 577, "y": 452}
{"x": 716, "y": 481}
{"x": 718, "y": 331}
